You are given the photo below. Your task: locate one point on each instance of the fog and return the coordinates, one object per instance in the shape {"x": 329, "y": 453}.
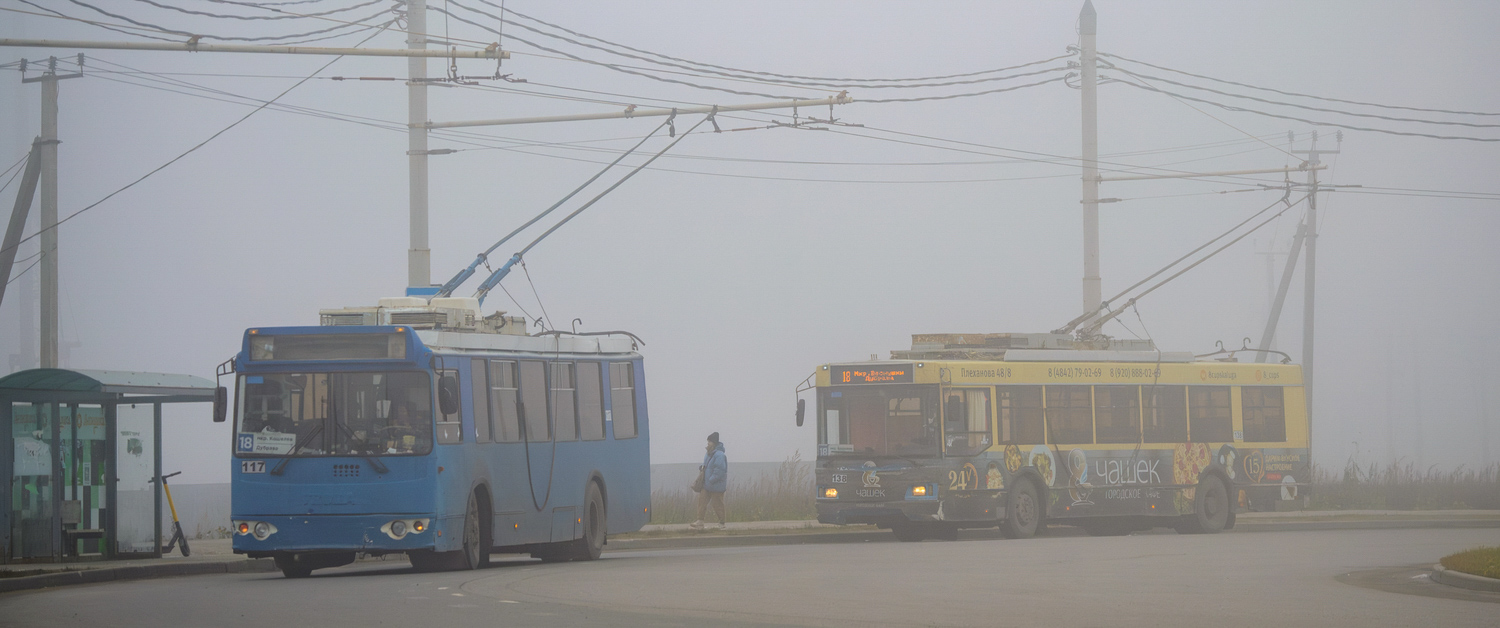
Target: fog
{"x": 745, "y": 259}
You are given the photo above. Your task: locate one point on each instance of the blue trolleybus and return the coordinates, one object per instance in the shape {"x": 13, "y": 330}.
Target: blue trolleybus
{"x": 427, "y": 429}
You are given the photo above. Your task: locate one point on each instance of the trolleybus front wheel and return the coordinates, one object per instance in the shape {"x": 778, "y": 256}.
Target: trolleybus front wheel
{"x": 1023, "y": 512}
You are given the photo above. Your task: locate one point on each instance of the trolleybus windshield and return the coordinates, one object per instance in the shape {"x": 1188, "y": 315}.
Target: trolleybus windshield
{"x": 878, "y": 421}
{"x": 334, "y": 414}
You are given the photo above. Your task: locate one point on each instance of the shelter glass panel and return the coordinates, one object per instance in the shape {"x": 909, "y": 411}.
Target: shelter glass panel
{"x": 32, "y": 495}
{"x": 135, "y": 495}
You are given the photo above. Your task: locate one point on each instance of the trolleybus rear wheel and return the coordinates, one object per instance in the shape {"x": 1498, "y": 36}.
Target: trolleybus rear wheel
{"x": 1023, "y": 512}
{"x": 591, "y": 544}
{"x": 907, "y": 531}
{"x": 1210, "y": 508}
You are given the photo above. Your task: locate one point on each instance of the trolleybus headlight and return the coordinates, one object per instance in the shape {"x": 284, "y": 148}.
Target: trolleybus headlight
{"x": 263, "y": 530}
{"x": 830, "y": 493}
{"x": 919, "y": 490}
{"x": 400, "y": 528}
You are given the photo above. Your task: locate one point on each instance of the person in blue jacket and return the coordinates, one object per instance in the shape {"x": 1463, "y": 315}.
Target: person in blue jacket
{"x": 715, "y": 480}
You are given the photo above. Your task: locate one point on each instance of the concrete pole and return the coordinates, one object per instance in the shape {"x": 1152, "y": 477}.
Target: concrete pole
{"x": 418, "y": 256}
{"x": 1087, "y": 27}
{"x": 1309, "y": 284}
{"x": 49, "y": 216}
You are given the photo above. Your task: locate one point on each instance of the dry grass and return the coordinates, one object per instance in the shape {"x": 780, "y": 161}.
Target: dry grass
{"x": 786, "y": 494}
{"x": 1405, "y": 487}
{"x": 1483, "y": 561}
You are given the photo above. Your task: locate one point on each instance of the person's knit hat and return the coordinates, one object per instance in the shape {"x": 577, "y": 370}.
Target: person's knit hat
{"x": 713, "y": 438}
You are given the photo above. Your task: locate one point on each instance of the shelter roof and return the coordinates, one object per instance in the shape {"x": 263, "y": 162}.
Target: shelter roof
{"x": 106, "y": 382}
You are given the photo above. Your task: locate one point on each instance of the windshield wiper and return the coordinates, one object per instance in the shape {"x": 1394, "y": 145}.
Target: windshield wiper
{"x": 374, "y": 463}
{"x": 301, "y": 442}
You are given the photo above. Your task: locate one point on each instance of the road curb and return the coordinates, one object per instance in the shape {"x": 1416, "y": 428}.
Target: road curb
{"x": 1444, "y": 575}
{"x": 134, "y": 572}
{"x": 880, "y": 536}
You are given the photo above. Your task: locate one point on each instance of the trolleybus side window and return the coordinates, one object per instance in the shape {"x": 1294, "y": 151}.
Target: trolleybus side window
{"x": 1166, "y": 413}
{"x": 1070, "y": 415}
{"x": 534, "y": 401}
{"x": 1208, "y": 414}
{"x": 503, "y": 410}
{"x": 479, "y": 394}
{"x": 590, "y": 402}
{"x": 1117, "y": 414}
{"x": 966, "y": 421}
{"x": 450, "y": 427}
{"x": 1020, "y": 414}
{"x": 1264, "y": 413}
{"x": 622, "y": 398}
{"x": 564, "y": 417}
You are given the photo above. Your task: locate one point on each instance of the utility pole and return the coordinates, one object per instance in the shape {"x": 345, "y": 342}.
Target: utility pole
{"x": 1309, "y": 281}
{"x": 418, "y": 256}
{"x": 49, "y": 142}
{"x": 1088, "y": 61}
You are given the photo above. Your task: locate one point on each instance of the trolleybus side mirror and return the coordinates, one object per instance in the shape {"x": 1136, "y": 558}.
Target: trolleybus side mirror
{"x": 801, "y": 410}
{"x": 221, "y": 404}
{"x": 448, "y": 395}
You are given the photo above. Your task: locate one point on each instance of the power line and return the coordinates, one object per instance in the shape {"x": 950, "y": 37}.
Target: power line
{"x": 283, "y": 15}
{"x": 700, "y": 69}
{"x": 1308, "y": 107}
{"x": 824, "y": 79}
{"x": 1306, "y": 121}
{"x": 1286, "y": 93}
{"x": 359, "y": 22}
{"x": 191, "y": 150}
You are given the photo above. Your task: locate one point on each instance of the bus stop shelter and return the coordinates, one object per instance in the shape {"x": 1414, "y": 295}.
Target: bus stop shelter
{"x": 79, "y": 450}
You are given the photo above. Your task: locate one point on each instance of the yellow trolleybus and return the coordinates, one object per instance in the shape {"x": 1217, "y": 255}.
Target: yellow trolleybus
{"x": 1018, "y": 430}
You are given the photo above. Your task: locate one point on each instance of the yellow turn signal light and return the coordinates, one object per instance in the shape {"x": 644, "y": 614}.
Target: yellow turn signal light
{"x": 919, "y": 490}
{"x": 830, "y": 493}
{"x": 244, "y": 528}
{"x": 418, "y": 526}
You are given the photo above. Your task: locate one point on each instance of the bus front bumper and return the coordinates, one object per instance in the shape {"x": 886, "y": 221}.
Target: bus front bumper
{"x": 357, "y": 533}
{"x": 982, "y": 507}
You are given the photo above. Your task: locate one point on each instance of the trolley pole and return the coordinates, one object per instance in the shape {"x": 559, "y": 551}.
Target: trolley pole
{"x": 418, "y": 256}
{"x": 1089, "y": 71}
{"x": 1309, "y": 282}
{"x": 49, "y": 141}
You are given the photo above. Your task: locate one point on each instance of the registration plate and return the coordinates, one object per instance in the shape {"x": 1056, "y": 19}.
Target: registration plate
{"x": 252, "y": 466}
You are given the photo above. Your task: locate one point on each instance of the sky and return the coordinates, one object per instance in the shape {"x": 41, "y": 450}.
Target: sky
{"x": 746, "y": 258}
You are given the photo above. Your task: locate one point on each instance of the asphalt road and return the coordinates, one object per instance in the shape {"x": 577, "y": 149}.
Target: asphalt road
{"x": 1324, "y": 578}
